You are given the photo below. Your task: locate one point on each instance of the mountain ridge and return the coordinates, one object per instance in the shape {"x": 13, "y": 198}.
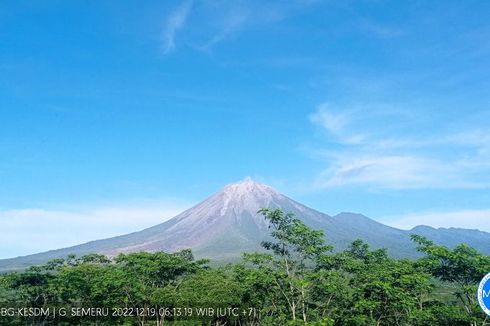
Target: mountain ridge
{"x": 226, "y": 224}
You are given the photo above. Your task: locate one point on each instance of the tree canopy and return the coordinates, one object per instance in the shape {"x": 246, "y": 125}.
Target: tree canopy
{"x": 296, "y": 280}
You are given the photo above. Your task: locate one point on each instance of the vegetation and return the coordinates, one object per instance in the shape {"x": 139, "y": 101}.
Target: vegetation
{"x": 297, "y": 280}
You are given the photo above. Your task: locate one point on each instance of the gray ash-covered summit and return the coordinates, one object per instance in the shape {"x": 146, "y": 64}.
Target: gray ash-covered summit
{"x": 227, "y": 224}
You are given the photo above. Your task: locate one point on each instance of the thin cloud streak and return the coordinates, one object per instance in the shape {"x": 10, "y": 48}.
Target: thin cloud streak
{"x": 393, "y": 172}
{"x": 237, "y": 16}
{"x": 175, "y": 22}
{"x": 380, "y": 30}
{"x": 364, "y": 154}
{"x": 231, "y": 25}
{"x": 336, "y": 124}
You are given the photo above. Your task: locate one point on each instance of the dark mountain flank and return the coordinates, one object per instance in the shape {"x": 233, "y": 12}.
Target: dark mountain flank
{"x": 227, "y": 224}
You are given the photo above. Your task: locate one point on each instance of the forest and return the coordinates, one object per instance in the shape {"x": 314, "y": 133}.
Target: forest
{"x": 298, "y": 279}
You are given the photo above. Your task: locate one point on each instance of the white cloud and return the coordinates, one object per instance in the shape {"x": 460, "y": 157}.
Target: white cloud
{"x": 336, "y": 124}
{"x": 384, "y": 171}
{"x": 225, "y": 19}
{"x": 27, "y": 231}
{"x": 231, "y": 24}
{"x": 468, "y": 219}
{"x": 333, "y": 122}
{"x": 175, "y": 22}
{"x": 370, "y": 150}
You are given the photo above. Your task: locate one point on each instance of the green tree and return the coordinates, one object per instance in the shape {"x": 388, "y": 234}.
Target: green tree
{"x": 462, "y": 266}
{"x": 295, "y": 247}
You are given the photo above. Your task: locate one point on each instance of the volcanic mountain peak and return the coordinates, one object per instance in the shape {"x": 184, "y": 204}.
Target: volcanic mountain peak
{"x": 231, "y": 204}
{"x": 248, "y": 186}
{"x": 248, "y": 189}
{"x": 246, "y": 195}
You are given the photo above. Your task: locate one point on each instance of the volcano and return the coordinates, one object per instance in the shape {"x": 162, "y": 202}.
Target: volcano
{"x": 227, "y": 224}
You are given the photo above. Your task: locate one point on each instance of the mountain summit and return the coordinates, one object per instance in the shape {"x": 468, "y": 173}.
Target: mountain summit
{"x": 226, "y": 224}
{"x": 245, "y": 197}
{"x": 222, "y": 226}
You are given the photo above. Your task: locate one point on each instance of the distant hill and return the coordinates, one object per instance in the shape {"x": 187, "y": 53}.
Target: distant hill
{"x": 227, "y": 224}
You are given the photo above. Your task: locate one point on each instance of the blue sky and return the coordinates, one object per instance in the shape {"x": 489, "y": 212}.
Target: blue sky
{"x": 115, "y": 115}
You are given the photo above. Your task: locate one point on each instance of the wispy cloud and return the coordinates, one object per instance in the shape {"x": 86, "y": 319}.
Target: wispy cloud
{"x": 379, "y": 30}
{"x": 394, "y": 172}
{"x": 369, "y": 150}
{"x": 468, "y": 219}
{"x": 336, "y": 124}
{"x": 226, "y": 19}
{"x": 332, "y": 122}
{"x": 231, "y": 24}
{"x": 215, "y": 22}
{"x": 175, "y": 22}
{"x": 27, "y": 231}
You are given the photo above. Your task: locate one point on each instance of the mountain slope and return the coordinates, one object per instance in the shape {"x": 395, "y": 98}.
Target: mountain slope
{"x": 452, "y": 237}
{"x": 227, "y": 224}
